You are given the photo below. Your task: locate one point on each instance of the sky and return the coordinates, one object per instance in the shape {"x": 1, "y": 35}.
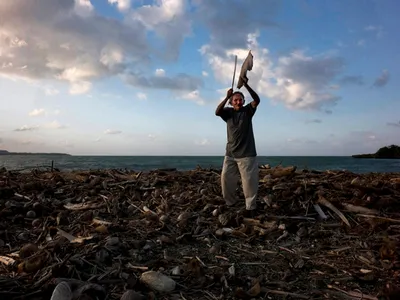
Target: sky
{"x": 141, "y": 77}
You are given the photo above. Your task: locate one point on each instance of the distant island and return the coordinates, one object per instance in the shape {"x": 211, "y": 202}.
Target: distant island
{"x": 5, "y": 152}
{"x": 392, "y": 151}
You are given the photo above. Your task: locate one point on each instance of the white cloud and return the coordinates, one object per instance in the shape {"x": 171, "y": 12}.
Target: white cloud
{"x": 111, "y": 56}
{"x": 42, "y": 112}
{"x": 151, "y": 137}
{"x": 141, "y": 96}
{"x": 168, "y": 19}
{"x": 194, "y": 96}
{"x": 55, "y": 125}
{"x": 83, "y": 8}
{"x": 64, "y": 40}
{"x": 297, "y": 80}
{"x": 202, "y": 142}
{"x": 160, "y": 72}
{"x": 122, "y": 5}
{"x": 51, "y": 91}
{"x": 229, "y": 30}
{"x": 81, "y": 87}
{"x": 37, "y": 112}
{"x": 204, "y": 73}
{"x": 110, "y": 131}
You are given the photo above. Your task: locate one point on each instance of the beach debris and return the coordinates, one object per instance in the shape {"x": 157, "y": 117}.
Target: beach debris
{"x": 167, "y": 234}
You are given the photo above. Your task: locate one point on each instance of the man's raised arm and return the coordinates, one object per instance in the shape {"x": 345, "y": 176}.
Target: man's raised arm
{"x": 253, "y": 94}
{"x": 220, "y": 107}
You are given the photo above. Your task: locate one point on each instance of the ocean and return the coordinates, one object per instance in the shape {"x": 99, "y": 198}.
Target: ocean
{"x": 144, "y": 163}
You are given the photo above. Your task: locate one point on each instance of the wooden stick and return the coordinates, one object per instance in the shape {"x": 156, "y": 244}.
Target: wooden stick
{"x": 234, "y": 72}
{"x": 283, "y": 293}
{"x": 379, "y": 218}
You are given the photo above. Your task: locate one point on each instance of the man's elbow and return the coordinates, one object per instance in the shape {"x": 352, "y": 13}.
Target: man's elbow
{"x": 255, "y": 102}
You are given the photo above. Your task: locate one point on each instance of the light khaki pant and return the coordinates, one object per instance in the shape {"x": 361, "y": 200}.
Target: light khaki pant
{"x": 247, "y": 169}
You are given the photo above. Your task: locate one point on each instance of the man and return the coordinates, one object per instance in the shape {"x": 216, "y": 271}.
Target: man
{"x": 241, "y": 155}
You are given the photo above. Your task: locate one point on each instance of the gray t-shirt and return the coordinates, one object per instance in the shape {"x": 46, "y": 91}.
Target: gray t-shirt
{"x": 240, "y": 134}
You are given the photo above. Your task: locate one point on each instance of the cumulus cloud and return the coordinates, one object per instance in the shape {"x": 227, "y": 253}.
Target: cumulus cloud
{"x": 160, "y": 72}
{"x": 179, "y": 82}
{"x": 51, "y": 91}
{"x": 55, "y": 125}
{"x": 37, "y": 112}
{"x": 122, "y": 5}
{"x": 110, "y": 131}
{"x": 202, "y": 142}
{"x": 230, "y": 30}
{"x": 194, "y": 96}
{"x": 297, "y": 80}
{"x": 42, "y": 112}
{"x": 383, "y": 79}
{"x": 49, "y": 39}
{"x": 81, "y": 87}
{"x": 204, "y": 73}
{"x": 141, "y": 96}
{"x": 168, "y": 20}
{"x": 83, "y": 8}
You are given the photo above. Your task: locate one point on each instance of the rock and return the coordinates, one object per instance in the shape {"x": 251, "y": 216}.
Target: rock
{"x": 132, "y": 295}
{"x": 31, "y": 214}
{"x": 62, "y": 292}
{"x": 28, "y": 250}
{"x": 158, "y": 281}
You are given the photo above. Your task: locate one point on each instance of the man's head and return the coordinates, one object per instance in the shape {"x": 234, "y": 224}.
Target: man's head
{"x": 237, "y": 100}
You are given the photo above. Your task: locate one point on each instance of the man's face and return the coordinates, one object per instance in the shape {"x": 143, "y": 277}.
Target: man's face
{"x": 237, "y": 101}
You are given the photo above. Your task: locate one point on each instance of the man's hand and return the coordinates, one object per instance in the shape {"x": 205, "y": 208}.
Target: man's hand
{"x": 220, "y": 108}
{"x": 229, "y": 93}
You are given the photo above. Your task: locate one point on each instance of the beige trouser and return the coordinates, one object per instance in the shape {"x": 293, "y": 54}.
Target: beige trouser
{"x": 247, "y": 169}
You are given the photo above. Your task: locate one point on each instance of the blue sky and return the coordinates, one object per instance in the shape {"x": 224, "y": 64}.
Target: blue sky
{"x": 120, "y": 77}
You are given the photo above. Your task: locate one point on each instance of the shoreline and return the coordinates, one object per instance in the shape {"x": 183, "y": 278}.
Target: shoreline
{"x": 174, "y": 223}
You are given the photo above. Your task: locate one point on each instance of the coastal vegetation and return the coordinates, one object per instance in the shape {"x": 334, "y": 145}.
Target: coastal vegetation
{"x": 392, "y": 151}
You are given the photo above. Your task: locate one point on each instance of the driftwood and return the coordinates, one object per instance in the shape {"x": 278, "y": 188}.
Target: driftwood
{"x": 278, "y": 171}
{"x": 164, "y": 234}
